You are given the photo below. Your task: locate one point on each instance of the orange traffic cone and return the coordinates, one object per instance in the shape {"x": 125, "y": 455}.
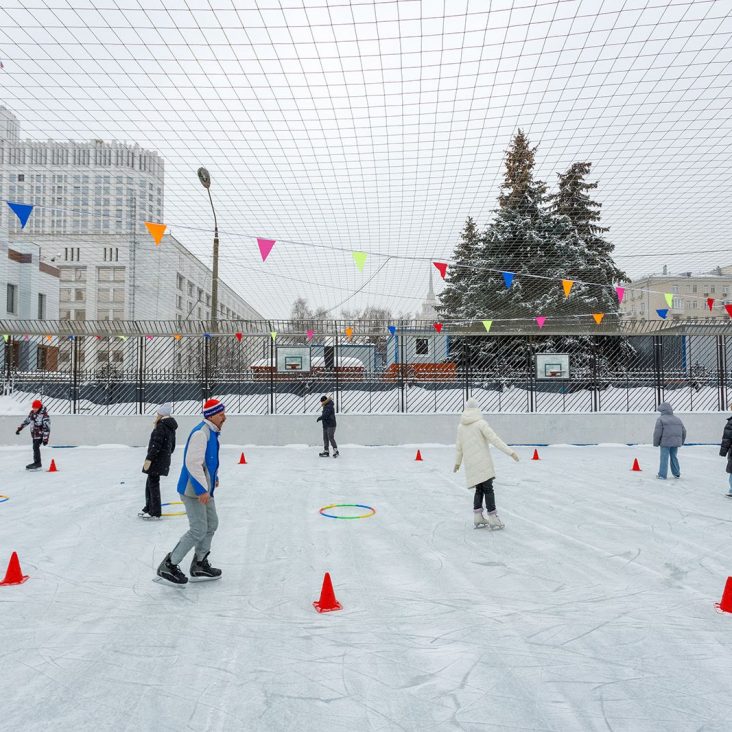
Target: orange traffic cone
{"x": 536, "y": 455}
{"x": 636, "y": 467}
{"x": 419, "y": 456}
{"x": 53, "y": 468}
{"x": 14, "y": 575}
{"x": 725, "y": 604}
{"x": 327, "y": 601}
{"x": 242, "y": 460}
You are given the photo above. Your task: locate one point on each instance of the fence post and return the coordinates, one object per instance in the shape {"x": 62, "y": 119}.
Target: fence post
{"x": 141, "y": 375}
{"x": 74, "y": 377}
{"x": 467, "y": 353}
{"x": 595, "y": 385}
{"x": 207, "y": 367}
{"x": 658, "y": 368}
{"x": 530, "y": 382}
{"x": 722, "y": 372}
{"x": 272, "y": 368}
{"x": 402, "y": 370}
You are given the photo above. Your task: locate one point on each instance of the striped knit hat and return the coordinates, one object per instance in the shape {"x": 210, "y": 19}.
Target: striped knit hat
{"x": 211, "y": 407}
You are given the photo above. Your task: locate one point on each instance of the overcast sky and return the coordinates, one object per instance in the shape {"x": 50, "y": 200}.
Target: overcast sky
{"x": 379, "y": 126}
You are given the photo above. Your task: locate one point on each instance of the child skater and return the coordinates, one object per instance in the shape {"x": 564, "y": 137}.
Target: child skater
{"x": 157, "y": 462}
{"x": 40, "y": 430}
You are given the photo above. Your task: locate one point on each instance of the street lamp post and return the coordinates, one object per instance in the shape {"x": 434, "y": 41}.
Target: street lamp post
{"x": 205, "y": 179}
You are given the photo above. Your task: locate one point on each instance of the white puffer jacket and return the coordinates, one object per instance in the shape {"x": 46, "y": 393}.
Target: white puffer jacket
{"x": 472, "y": 445}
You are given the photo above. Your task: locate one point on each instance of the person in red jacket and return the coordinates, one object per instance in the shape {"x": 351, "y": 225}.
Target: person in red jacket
{"x": 40, "y": 424}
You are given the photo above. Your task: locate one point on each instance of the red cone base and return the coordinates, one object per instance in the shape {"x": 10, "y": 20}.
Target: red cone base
{"x": 636, "y": 467}
{"x": 725, "y": 604}
{"x": 14, "y": 575}
{"x": 53, "y": 468}
{"x": 418, "y": 457}
{"x": 242, "y": 460}
{"x": 536, "y": 455}
{"x": 327, "y": 602}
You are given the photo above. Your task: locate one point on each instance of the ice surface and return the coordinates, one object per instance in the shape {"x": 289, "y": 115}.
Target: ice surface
{"x": 592, "y": 610}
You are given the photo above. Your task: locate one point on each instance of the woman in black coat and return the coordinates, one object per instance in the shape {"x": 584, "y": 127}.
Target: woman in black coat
{"x": 725, "y": 450}
{"x": 157, "y": 462}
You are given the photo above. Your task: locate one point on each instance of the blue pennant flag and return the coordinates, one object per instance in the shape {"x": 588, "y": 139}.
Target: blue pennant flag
{"x": 72, "y": 338}
{"x": 662, "y": 313}
{"x": 392, "y": 329}
{"x": 22, "y": 211}
{"x": 206, "y": 335}
{"x": 508, "y": 278}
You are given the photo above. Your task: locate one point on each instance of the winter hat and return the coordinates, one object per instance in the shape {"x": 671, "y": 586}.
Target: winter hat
{"x": 37, "y": 404}
{"x": 324, "y": 399}
{"x": 211, "y": 407}
{"x": 472, "y": 403}
{"x": 165, "y": 410}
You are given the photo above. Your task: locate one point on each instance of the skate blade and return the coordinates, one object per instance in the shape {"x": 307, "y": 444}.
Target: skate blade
{"x": 151, "y": 518}
{"x": 203, "y": 579}
{"x": 480, "y": 526}
{"x": 167, "y": 583}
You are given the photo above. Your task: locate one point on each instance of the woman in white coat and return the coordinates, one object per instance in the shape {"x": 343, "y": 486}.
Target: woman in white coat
{"x": 474, "y": 437}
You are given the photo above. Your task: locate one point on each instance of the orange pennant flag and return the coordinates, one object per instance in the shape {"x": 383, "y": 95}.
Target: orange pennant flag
{"x": 598, "y": 317}
{"x": 177, "y": 336}
{"x": 567, "y": 285}
{"x": 349, "y": 331}
{"x": 156, "y": 231}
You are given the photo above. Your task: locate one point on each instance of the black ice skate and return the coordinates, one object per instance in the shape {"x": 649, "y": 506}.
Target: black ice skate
{"x": 34, "y": 466}
{"x": 202, "y": 570}
{"x": 171, "y": 572}
{"x": 336, "y": 453}
{"x": 149, "y": 517}
{"x": 325, "y": 453}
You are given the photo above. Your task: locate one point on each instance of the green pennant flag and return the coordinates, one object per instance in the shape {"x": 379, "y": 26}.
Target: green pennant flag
{"x": 360, "y": 259}
{"x": 669, "y": 299}
{"x": 273, "y": 333}
{"x": 487, "y": 325}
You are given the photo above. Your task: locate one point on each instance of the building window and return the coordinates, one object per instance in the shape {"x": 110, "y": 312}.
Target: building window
{"x": 41, "y": 306}
{"x": 110, "y": 274}
{"x": 21, "y": 177}
{"x": 678, "y": 303}
{"x": 179, "y": 302}
{"x": 12, "y": 305}
{"x": 181, "y": 281}
{"x": 714, "y": 288}
{"x": 422, "y": 346}
{"x": 72, "y": 254}
{"x": 675, "y": 289}
{"x": 111, "y": 254}
{"x": 694, "y": 289}
{"x": 190, "y": 289}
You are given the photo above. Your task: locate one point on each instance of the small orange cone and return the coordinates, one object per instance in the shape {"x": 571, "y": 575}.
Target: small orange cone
{"x": 327, "y": 601}
{"x": 419, "y": 457}
{"x": 636, "y": 467}
{"x": 14, "y": 575}
{"x": 53, "y": 468}
{"x": 242, "y": 460}
{"x": 725, "y": 604}
{"x": 536, "y": 455}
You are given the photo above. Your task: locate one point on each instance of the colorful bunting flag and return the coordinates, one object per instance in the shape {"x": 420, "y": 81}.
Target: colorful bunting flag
{"x": 48, "y": 337}
{"x": 273, "y": 333}
{"x": 620, "y": 292}
{"x": 392, "y": 329}
{"x": 540, "y": 320}
{"x": 238, "y": 336}
{"x": 148, "y": 337}
{"x": 662, "y": 313}
{"x": 710, "y": 303}
{"x": 177, "y": 336}
{"x": 349, "y": 332}
{"x": 156, "y": 231}
{"x": 360, "y": 259}
{"x": 6, "y": 337}
{"x": 122, "y": 337}
{"x": 309, "y": 335}
{"x": 206, "y": 335}
{"x": 728, "y": 308}
{"x": 598, "y": 317}
{"x": 71, "y": 338}
{"x": 26, "y": 337}
{"x": 669, "y": 299}
{"x": 442, "y": 268}
{"x": 508, "y": 278}
{"x": 265, "y": 247}
{"x": 22, "y": 211}
{"x": 487, "y": 325}
{"x": 438, "y": 327}
{"x": 567, "y": 285}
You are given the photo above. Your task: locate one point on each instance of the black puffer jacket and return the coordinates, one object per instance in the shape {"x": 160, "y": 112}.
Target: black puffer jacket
{"x": 328, "y": 417}
{"x": 161, "y": 446}
{"x": 725, "y": 449}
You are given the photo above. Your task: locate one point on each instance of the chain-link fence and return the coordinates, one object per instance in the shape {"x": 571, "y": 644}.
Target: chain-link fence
{"x": 284, "y": 368}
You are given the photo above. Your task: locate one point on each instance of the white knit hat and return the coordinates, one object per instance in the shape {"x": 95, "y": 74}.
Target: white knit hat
{"x": 472, "y": 403}
{"x": 165, "y": 410}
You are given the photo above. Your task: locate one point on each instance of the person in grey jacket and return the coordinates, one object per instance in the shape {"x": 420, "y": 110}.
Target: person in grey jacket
{"x": 669, "y": 435}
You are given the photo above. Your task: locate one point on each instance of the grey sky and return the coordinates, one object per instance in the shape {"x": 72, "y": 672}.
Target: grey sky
{"x": 380, "y": 126}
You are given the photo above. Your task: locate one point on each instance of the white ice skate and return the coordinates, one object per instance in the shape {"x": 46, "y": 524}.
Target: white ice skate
{"x": 479, "y": 521}
{"x": 494, "y": 522}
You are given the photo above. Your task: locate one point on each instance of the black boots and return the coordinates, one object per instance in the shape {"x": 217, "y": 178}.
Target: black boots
{"x": 201, "y": 569}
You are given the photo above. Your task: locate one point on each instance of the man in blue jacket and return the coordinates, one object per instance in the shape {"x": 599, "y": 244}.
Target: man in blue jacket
{"x": 196, "y": 485}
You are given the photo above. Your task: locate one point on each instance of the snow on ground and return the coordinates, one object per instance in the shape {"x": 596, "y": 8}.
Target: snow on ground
{"x": 592, "y": 610}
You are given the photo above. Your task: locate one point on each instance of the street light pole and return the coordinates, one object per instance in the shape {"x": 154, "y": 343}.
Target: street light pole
{"x": 205, "y": 179}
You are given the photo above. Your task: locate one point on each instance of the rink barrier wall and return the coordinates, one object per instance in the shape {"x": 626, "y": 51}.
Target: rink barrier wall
{"x": 375, "y": 429}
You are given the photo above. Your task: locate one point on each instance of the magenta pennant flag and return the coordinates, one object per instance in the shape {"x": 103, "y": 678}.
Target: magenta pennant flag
{"x": 620, "y": 291}
{"x": 540, "y": 320}
{"x": 265, "y": 247}
{"x": 310, "y": 334}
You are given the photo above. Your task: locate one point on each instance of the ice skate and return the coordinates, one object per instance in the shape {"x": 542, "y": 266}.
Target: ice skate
{"x": 336, "y": 453}
{"x": 325, "y": 453}
{"x": 494, "y": 522}
{"x": 202, "y": 570}
{"x": 33, "y": 466}
{"x": 149, "y": 517}
{"x": 479, "y": 521}
{"x": 729, "y": 494}
{"x": 171, "y": 573}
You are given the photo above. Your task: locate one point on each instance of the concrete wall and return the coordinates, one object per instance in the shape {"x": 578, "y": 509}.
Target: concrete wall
{"x": 375, "y": 429}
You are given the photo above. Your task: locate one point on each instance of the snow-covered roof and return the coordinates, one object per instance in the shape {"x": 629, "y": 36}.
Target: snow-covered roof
{"x": 318, "y": 362}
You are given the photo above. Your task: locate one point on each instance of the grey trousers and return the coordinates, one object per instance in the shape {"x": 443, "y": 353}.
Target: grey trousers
{"x": 202, "y": 523}
{"x": 329, "y": 436}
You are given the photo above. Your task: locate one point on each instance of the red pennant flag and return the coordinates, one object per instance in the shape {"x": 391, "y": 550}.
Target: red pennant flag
{"x": 710, "y": 303}
{"x": 238, "y": 336}
{"x": 728, "y": 308}
{"x": 442, "y": 267}
{"x": 438, "y": 327}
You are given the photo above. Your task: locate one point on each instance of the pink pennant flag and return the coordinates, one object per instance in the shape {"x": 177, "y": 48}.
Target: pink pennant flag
{"x": 620, "y": 291}
{"x": 540, "y": 320}
{"x": 310, "y": 334}
{"x": 265, "y": 247}
{"x": 149, "y": 337}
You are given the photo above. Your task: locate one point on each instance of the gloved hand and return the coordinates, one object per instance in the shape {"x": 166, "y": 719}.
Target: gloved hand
{"x": 456, "y": 468}
{"x": 515, "y": 456}
{"x": 318, "y": 419}
{"x": 45, "y": 443}
{"x": 146, "y": 465}
{"x": 17, "y": 432}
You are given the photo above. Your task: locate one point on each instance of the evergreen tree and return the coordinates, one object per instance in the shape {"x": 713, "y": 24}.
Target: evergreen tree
{"x": 460, "y": 272}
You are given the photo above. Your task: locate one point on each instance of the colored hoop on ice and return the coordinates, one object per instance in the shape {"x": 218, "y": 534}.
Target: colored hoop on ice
{"x": 176, "y": 513}
{"x": 347, "y": 505}
{"x": 4, "y": 498}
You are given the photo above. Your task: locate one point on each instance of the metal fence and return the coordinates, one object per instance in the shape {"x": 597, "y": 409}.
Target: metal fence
{"x": 127, "y": 368}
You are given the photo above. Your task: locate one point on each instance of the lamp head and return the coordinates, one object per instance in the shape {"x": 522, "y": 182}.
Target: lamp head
{"x": 204, "y": 177}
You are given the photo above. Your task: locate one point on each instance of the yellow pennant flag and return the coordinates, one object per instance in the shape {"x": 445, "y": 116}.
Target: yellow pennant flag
{"x": 567, "y": 285}
{"x": 487, "y": 325}
{"x": 349, "y": 332}
{"x": 156, "y": 231}
{"x": 360, "y": 259}
{"x": 598, "y": 317}
{"x": 669, "y": 299}
{"x": 273, "y": 333}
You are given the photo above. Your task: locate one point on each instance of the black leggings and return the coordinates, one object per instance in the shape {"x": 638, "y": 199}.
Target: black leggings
{"x": 152, "y": 494}
{"x": 484, "y": 489}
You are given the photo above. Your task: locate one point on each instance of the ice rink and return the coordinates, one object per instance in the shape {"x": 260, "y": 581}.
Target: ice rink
{"x": 592, "y": 610}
